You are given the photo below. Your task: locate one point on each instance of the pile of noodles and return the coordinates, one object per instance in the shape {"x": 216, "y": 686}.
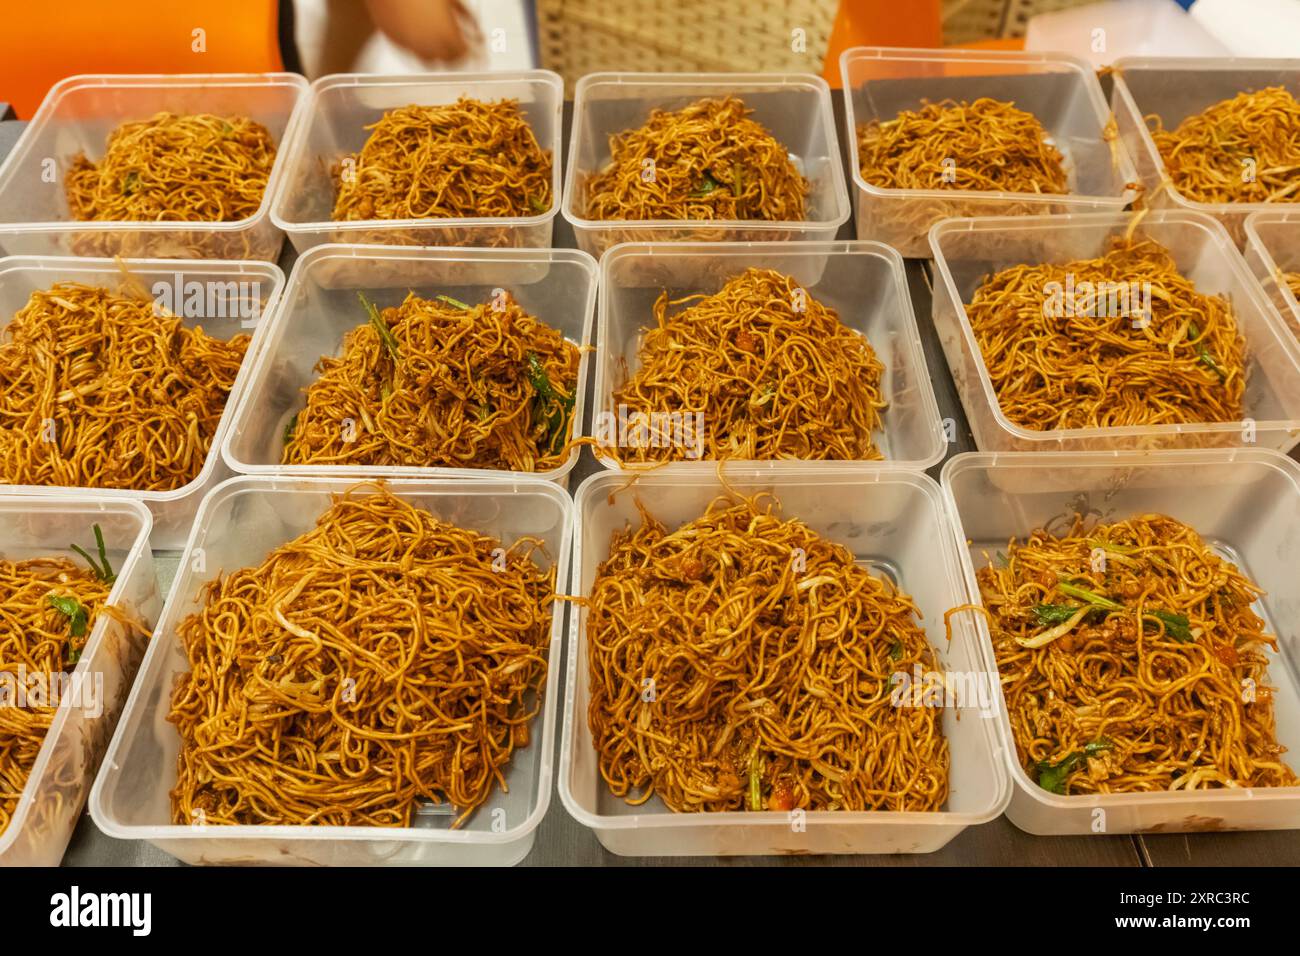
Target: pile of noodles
{"x": 48, "y": 609}
{"x": 199, "y": 168}
{"x": 103, "y": 390}
{"x": 1051, "y": 369}
{"x": 1245, "y": 149}
{"x": 709, "y": 160}
{"x": 743, "y": 662}
{"x": 1131, "y": 660}
{"x": 437, "y": 382}
{"x": 1292, "y": 279}
{"x": 985, "y": 144}
{"x": 381, "y": 660}
{"x": 773, "y": 372}
{"x": 464, "y": 159}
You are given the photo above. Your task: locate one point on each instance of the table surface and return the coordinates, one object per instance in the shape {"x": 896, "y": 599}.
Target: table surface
{"x": 562, "y": 841}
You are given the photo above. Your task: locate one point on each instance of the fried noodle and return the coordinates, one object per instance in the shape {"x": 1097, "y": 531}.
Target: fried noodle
{"x": 383, "y": 660}
{"x": 437, "y": 382}
{"x": 743, "y": 662}
{"x": 1131, "y": 660}
{"x": 103, "y": 390}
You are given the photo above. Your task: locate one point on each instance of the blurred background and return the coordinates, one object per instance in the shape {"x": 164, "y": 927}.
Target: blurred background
{"x": 39, "y": 47}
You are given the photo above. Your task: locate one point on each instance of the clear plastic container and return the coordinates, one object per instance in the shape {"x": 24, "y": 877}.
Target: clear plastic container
{"x": 1174, "y": 88}
{"x": 1060, "y": 90}
{"x": 320, "y": 307}
{"x": 239, "y": 293}
{"x": 863, "y": 281}
{"x": 77, "y": 116}
{"x": 966, "y": 251}
{"x": 795, "y": 107}
{"x": 1245, "y": 503}
{"x": 894, "y": 522}
{"x": 43, "y": 525}
{"x": 239, "y": 523}
{"x": 338, "y": 111}
{"x": 1272, "y": 252}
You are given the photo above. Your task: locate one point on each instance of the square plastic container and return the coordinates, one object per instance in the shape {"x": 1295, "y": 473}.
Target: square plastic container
{"x": 1060, "y": 90}
{"x": 239, "y": 294}
{"x": 339, "y": 109}
{"x": 895, "y": 523}
{"x": 1174, "y": 88}
{"x": 320, "y": 307}
{"x": 1272, "y": 251}
{"x": 863, "y": 281}
{"x": 77, "y": 116}
{"x": 1245, "y": 503}
{"x": 966, "y": 251}
{"x": 43, "y": 525}
{"x": 795, "y": 107}
{"x": 240, "y": 522}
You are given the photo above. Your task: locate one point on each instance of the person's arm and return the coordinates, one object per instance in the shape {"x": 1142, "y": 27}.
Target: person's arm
{"x": 431, "y": 29}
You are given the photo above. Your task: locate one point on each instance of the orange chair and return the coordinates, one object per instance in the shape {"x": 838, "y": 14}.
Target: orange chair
{"x": 41, "y": 43}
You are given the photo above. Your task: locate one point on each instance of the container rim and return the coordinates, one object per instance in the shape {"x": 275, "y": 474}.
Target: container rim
{"x": 64, "y": 265}
{"x": 738, "y": 83}
{"x": 1264, "y": 249}
{"x": 1084, "y": 74}
{"x": 1066, "y": 461}
{"x": 323, "y": 84}
{"x": 135, "y": 552}
{"x": 369, "y": 252}
{"x": 598, "y": 487}
{"x": 1138, "y": 118}
{"x": 50, "y": 103}
{"x": 1216, "y": 232}
{"x": 154, "y": 833}
{"x": 907, "y": 322}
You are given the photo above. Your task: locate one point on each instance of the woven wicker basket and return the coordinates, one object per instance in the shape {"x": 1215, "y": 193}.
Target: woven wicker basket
{"x": 966, "y": 21}
{"x": 589, "y": 36}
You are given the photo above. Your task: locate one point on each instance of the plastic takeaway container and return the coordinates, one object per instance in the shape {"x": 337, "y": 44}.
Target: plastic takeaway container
{"x": 1273, "y": 254}
{"x": 338, "y": 111}
{"x": 225, "y": 298}
{"x": 967, "y": 251}
{"x": 896, "y": 524}
{"x": 1245, "y": 503}
{"x": 321, "y": 306}
{"x": 795, "y": 108}
{"x": 43, "y": 525}
{"x": 1061, "y": 91}
{"x": 863, "y": 281}
{"x": 78, "y": 115}
{"x": 241, "y": 521}
{"x": 1174, "y": 88}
